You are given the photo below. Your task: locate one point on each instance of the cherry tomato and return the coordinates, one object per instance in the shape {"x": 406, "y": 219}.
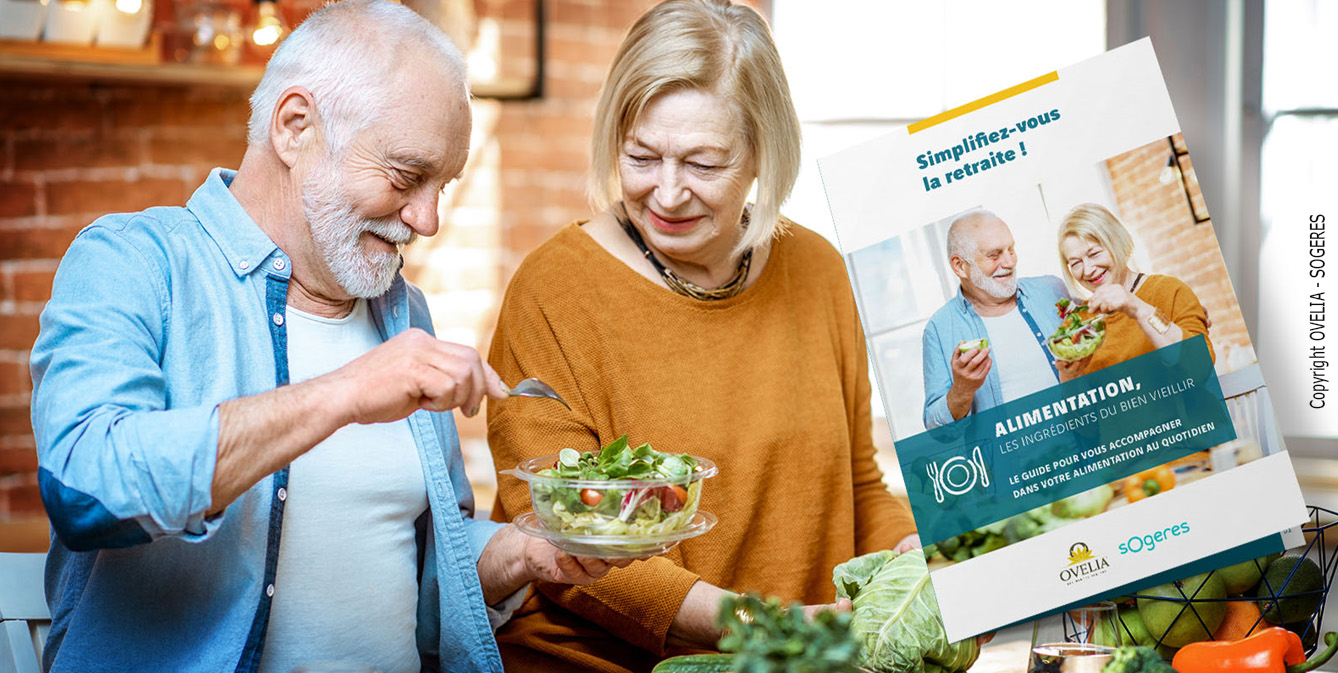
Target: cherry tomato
{"x": 672, "y": 497}
{"x": 591, "y": 497}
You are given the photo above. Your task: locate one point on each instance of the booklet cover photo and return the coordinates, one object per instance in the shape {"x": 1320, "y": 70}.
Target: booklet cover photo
{"x": 1075, "y": 400}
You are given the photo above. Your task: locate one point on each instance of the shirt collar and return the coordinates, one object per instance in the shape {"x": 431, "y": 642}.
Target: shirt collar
{"x": 244, "y": 245}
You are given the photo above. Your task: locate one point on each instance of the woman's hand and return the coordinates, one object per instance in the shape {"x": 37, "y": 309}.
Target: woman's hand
{"x": 1114, "y": 298}
{"x": 841, "y": 605}
{"x": 908, "y": 543}
{"x": 546, "y": 563}
{"x": 1071, "y": 370}
{"x": 512, "y": 559}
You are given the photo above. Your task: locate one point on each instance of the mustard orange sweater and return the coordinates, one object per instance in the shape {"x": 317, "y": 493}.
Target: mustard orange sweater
{"x": 772, "y": 385}
{"x": 1125, "y": 340}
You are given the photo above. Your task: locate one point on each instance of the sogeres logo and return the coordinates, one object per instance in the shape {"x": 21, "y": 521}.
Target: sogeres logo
{"x": 1149, "y": 542}
{"x": 957, "y": 475}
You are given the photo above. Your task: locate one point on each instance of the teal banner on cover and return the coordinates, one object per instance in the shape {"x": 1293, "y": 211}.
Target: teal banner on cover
{"x": 1064, "y": 440}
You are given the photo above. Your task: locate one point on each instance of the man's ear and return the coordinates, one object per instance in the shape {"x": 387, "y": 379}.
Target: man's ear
{"x": 959, "y": 268}
{"x": 293, "y": 124}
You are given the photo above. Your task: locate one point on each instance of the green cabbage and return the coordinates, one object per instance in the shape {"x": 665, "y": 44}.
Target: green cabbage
{"x": 896, "y": 615}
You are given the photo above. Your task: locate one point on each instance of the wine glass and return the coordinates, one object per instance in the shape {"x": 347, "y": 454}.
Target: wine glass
{"x": 1081, "y": 640}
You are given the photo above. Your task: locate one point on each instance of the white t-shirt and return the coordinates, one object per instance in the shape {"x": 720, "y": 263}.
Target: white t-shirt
{"x": 347, "y": 582}
{"x": 1022, "y": 365}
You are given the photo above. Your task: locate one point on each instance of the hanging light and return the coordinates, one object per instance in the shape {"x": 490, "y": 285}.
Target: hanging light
{"x": 129, "y": 6}
{"x": 270, "y": 27}
{"x": 1168, "y": 173}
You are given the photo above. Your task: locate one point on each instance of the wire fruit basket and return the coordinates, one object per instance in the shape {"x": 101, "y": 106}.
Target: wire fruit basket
{"x": 1292, "y": 596}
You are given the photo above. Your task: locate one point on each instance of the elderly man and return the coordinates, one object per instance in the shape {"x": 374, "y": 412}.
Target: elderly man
{"x": 1016, "y": 315}
{"x": 242, "y": 419}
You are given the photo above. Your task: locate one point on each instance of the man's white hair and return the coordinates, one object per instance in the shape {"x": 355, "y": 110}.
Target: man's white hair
{"x": 346, "y": 54}
{"x": 962, "y": 241}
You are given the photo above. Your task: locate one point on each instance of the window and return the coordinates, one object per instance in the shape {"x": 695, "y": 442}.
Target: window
{"x": 859, "y": 70}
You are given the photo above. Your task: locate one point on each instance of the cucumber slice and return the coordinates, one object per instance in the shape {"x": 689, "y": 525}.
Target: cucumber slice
{"x": 569, "y": 457}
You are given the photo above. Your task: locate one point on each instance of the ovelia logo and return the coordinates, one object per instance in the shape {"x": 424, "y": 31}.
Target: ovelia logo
{"x": 1083, "y": 564}
{"x": 1079, "y": 552}
{"x": 957, "y": 475}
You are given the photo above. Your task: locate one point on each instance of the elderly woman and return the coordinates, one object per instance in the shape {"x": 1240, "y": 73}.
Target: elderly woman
{"x": 1146, "y": 311}
{"x": 681, "y": 316}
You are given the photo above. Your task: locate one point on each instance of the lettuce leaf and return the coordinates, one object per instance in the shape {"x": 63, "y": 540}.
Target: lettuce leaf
{"x": 896, "y": 615}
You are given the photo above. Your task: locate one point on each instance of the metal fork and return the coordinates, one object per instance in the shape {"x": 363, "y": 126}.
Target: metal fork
{"x": 536, "y": 388}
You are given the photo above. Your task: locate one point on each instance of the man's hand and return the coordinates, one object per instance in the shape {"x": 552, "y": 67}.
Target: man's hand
{"x": 969, "y": 370}
{"x": 259, "y": 434}
{"x": 415, "y": 371}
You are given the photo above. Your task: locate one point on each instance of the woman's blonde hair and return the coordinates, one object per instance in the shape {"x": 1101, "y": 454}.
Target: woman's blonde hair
{"x": 706, "y": 45}
{"x": 1092, "y": 222}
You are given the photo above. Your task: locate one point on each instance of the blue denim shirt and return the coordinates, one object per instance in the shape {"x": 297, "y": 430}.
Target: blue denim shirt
{"x": 957, "y": 321}
{"x": 155, "y": 319}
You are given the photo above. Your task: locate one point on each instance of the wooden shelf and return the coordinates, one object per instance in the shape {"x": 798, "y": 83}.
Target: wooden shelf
{"x": 130, "y": 66}
{"x": 47, "y": 61}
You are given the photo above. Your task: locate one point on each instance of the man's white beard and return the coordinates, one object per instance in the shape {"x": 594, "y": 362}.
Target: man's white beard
{"x": 999, "y": 287}
{"x": 337, "y": 230}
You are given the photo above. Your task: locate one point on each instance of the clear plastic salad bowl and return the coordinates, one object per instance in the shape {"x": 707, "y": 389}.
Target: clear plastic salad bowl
{"x": 644, "y": 508}
{"x": 615, "y": 546}
{"x": 1087, "y": 344}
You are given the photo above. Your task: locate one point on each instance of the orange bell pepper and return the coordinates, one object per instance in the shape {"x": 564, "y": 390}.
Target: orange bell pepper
{"x": 1272, "y": 650}
{"x": 1149, "y": 482}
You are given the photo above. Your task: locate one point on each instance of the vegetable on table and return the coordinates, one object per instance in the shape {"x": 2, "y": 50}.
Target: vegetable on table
{"x": 896, "y": 615}
{"x": 1014, "y": 529}
{"x": 696, "y": 663}
{"x": 764, "y": 636}
{"x": 1083, "y": 505}
{"x": 1272, "y": 650}
{"x": 767, "y": 637}
{"x": 1149, "y": 482}
{"x": 1136, "y": 659}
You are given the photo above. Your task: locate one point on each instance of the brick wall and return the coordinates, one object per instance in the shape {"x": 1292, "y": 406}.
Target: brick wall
{"x": 71, "y": 151}
{"x": 1163, "y": 220}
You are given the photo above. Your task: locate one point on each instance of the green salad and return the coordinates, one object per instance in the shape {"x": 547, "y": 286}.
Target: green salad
{"x": 1075, "y": 338}
{"x": 645, "y": 492}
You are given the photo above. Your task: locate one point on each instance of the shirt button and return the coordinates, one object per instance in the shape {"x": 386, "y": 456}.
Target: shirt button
{"x": 279, "y": 264}
{"x": 269, "y": 591}
{"x": 283, "y": 494}
{"x": 244, "y": 264}
{"x": 278, "y": 319}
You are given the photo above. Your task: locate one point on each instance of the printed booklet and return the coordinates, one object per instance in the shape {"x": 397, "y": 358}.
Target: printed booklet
{"x": 1077, "y": 407}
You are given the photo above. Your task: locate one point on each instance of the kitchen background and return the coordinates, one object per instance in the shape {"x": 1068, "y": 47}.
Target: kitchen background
{"x": 89, "y": 129}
